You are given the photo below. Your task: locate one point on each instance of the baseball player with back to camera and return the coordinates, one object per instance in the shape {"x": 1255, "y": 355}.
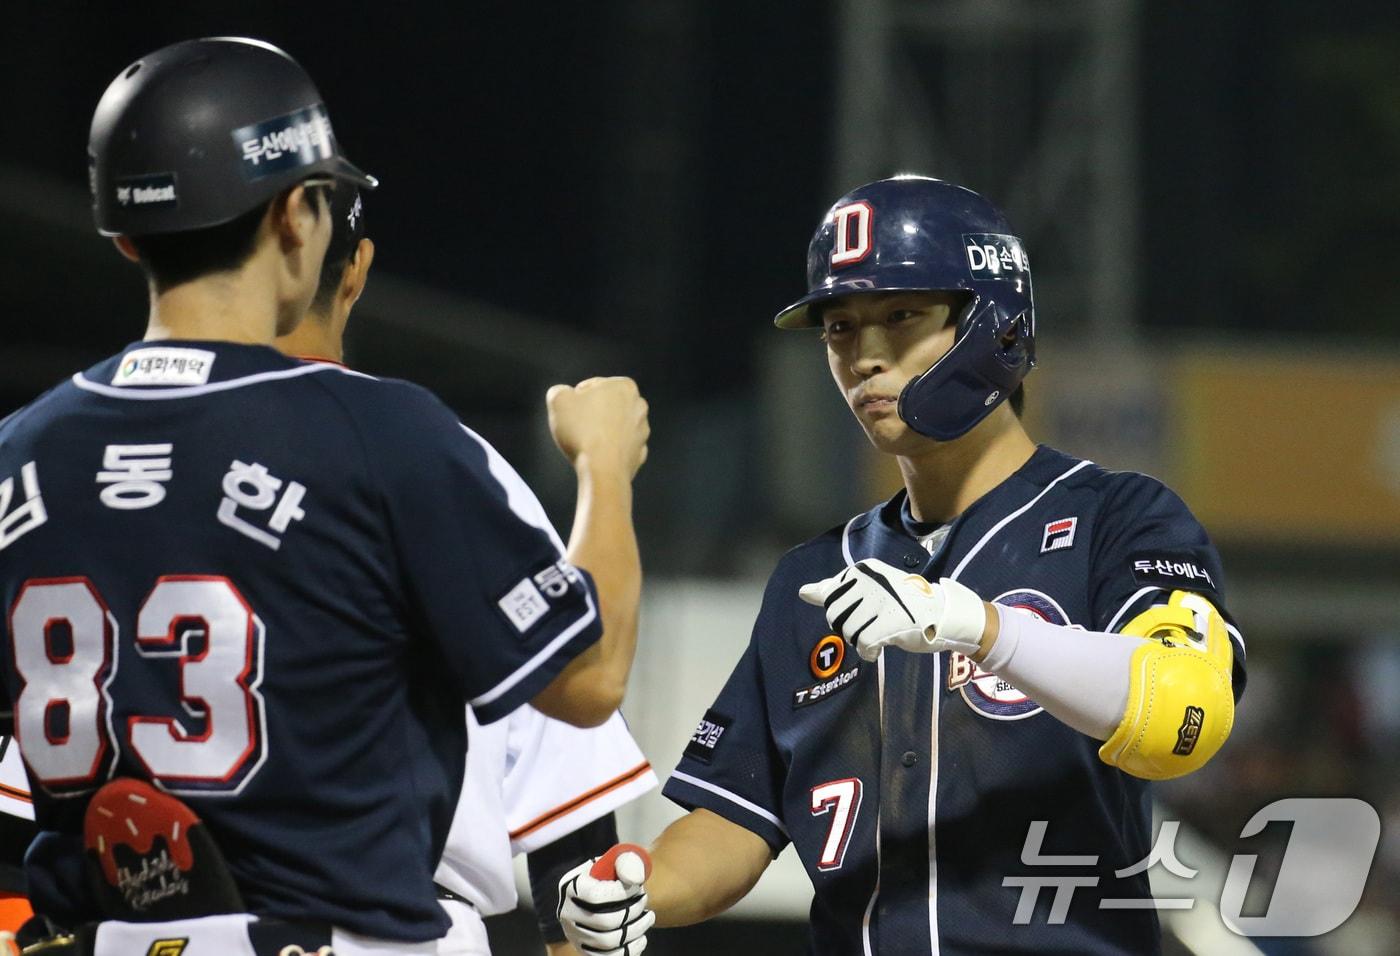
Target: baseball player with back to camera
{"x": 1018, "y": 635}
{"x": 266, "y": 588}
{"x": 533, "y": 784}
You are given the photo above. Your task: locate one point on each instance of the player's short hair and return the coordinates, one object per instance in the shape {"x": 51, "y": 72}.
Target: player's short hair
{"x": 1018, "y": 400}
{"x": 174, "y": 258}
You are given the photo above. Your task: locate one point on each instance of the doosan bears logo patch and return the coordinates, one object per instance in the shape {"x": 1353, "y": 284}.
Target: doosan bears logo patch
{"x": 987, "y": 694}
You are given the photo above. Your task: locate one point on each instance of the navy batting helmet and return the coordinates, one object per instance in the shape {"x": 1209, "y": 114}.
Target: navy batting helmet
{"x": 912, "y": 233}
{"x": 202, "y": 131}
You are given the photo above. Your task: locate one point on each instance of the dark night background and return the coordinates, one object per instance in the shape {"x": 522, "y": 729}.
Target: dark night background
{"x": 631, "y": 186}
{"x": 505, "y": 136}
{"x": 647, "y": 174}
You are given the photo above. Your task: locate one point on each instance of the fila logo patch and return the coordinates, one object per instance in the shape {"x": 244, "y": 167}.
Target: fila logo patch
{"x": 852, "y": 224}
{"x": 1059, "y": 534}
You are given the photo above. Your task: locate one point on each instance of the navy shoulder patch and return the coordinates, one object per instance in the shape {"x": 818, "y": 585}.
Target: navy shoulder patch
{"x": 1177, "y": 570}
{"x": 534, "y": 598}
{"x": 707, "y": 736}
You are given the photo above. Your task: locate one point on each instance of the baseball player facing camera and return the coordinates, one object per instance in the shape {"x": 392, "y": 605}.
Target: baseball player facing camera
{"x": 1018, "y": 641}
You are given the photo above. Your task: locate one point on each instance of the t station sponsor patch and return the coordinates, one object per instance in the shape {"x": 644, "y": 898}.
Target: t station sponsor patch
{"x": 823, "y": 689}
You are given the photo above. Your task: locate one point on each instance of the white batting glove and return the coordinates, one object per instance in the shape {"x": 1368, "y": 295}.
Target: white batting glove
{"x": 606, "y": 917}
{"x": 874, "y": 605}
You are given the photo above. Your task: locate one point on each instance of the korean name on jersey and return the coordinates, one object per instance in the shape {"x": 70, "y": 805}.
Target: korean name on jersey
{"x": 270, "y": 587}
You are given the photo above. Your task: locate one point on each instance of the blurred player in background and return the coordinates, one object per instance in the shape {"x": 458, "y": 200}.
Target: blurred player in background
{"x": 533, "y": 784}
{"x": 269, "y": 587}
{"x": 1016, "y": 636}
{"x": 16, "y": 831}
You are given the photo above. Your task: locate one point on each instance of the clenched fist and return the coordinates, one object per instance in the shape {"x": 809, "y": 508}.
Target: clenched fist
{"x": 603, "y": 903}
{"x": 603, "y": 420}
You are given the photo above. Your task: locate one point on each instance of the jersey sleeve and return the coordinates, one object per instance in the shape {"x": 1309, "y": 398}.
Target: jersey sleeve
{"x": 483, "y": 571}
{"x": 559, "y": 778}
{"x": 731, "y": 766}
{"x": 1149, "y": 544}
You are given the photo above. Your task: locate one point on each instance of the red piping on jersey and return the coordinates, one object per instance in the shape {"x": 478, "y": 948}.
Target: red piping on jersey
{"x": 317, "y": 358}
{"x": 14, "y": 793}
{"x": 564, "y": 809}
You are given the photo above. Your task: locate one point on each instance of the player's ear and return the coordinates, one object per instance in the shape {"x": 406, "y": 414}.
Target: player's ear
{"x": 294, "y": 215}
{"x": 352, "y": 284}
{"x": 127, "y": 248}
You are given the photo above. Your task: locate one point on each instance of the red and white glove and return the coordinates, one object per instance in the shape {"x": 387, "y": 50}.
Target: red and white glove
{"x": 874, "y": 605}
{"x": 603, "y": 903}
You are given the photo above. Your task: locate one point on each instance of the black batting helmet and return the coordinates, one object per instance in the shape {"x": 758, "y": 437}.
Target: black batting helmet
{"x": 202, "y": 131}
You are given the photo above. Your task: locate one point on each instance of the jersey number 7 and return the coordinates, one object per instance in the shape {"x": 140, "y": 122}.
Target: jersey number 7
{"x": 841, "y": 799}
{"x": 65, "y": 648}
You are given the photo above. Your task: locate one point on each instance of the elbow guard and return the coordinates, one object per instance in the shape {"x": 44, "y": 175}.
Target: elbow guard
{"x": 1181, "y": 704}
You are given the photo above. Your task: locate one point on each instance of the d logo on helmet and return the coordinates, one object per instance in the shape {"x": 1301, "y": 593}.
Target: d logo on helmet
{"x": 852, "y": 224}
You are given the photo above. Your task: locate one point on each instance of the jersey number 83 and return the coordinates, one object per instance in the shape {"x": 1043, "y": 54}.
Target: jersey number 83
{"x": 65, "y": 648}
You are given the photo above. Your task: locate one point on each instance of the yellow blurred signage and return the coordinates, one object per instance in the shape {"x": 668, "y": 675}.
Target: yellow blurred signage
{"x": 1303, "y": 447}
{"x": 1263, "y": 446}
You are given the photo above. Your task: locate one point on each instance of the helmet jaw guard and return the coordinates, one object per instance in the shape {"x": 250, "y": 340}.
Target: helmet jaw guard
{"x": 915, "y": 234}
{"x": 992, "y": 354}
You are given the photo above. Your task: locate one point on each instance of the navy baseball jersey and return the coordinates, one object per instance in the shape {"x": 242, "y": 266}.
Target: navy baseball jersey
{"x": 268, "y": 587}
{"x": 908, "y": 786}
